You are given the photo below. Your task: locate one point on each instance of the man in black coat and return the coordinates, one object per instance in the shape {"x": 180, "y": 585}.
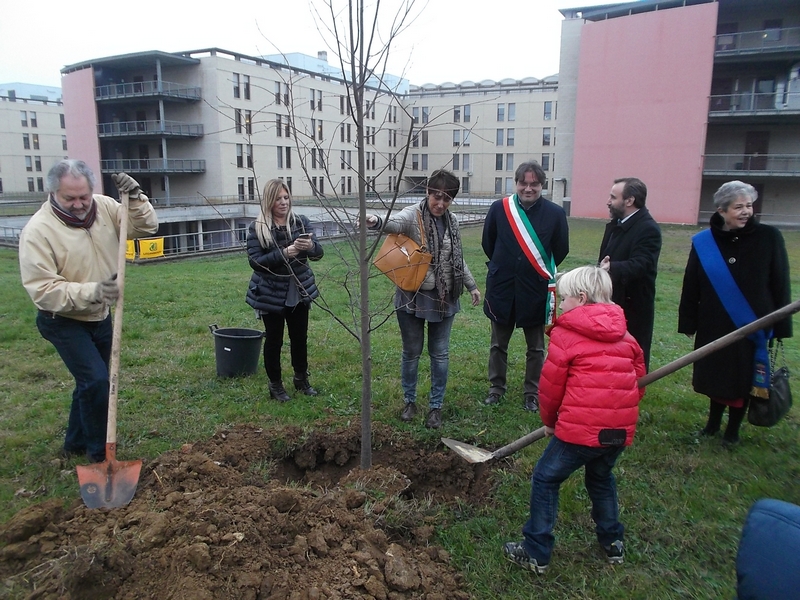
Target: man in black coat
{"x": 629, "y": 252}
{"x": 516, "y": 290}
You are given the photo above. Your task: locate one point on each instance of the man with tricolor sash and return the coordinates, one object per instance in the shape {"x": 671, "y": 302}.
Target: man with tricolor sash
{"x": 525, "y": 237}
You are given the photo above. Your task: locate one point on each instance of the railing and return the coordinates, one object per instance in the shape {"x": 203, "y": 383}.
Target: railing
{"x": 761, "y": 164}
{"x": 155, "y": 165}
{"x": 754, "y": 102}
{"x": 138, "y": 89}
{"x": 135, "y": 128}
{"x": 754, "y": 42}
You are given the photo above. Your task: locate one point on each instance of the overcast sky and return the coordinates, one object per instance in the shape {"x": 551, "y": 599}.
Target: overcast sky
{"x": 450, "y": 40}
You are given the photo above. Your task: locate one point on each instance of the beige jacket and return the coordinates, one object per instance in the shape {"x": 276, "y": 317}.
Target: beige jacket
{"x": 62, "y": 266}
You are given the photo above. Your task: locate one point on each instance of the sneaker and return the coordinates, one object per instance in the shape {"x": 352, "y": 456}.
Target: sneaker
{"x": 615, "y": 552}
{"x": 516, "y": 553}
{"x": 434, "y": 420}
{"x": 531, "y": 403}
{"x": 277, "y": 391}
{"x": 409, "y": 412}
{"x": 492, "y": 398}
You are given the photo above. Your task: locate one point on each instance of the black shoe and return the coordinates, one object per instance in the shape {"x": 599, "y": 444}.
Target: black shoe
{"x": 615, "y": 553}
{"x": 516, "y": 553}
{"x": 277, "y": 391}
{"x": 434, "y": 420}
{"x": 706, "y": 432}
{"x": 531, "y": 404}
{"x": 730, "y": 442}
{"x": 302, "y": 385}
{"x": 409, "y": 412}
{"x": 70, "y": 453}
{"x": 492, "y": 398}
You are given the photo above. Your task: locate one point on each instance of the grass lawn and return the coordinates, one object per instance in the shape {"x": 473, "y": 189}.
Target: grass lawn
{"x": 683, "y": 501}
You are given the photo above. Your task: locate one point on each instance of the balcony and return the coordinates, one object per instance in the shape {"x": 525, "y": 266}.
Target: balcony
{"x": 146, "y": 89}
{"x": 155, "y": 165}
{"x": 766, "y": 41}
{"x": 751, "y": 104}
{"x": 752, "y": 165}
{"x": 144, "y": 129}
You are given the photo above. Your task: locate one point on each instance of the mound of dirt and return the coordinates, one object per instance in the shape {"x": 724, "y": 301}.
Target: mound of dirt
{"x": 243, "y": 515}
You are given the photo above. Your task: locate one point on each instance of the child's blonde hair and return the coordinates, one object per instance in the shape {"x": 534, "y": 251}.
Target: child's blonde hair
{"x": 592, "y": 281}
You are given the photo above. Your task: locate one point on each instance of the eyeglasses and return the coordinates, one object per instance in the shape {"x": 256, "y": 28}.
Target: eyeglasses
{"x": 439, "y": 195}
{"x": 533, "y": 185}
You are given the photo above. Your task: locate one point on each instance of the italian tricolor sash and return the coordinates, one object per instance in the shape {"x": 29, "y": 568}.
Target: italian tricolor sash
{"x": 533, "y": 250}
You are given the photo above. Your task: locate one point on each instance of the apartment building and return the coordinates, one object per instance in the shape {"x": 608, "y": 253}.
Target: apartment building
{"x": 685, "y": 94}
{"x": 32, "y": 137}
{"x": 482, "y": 131}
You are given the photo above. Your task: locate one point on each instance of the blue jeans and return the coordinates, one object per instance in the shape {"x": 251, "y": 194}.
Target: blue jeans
{"x": 558, "y": 462}
{"x": 85, "y": 348}
{"x": 412, "y": 331}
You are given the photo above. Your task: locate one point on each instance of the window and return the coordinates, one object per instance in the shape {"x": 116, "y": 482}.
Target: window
{"x": 313, "y": 158}
{"x": 548, "y": 110}
{"x": 341, "y": 132}
{"x": 30, "y": 185}
{"x": 545, "y": 162}
{"x": 465, "y": 185}
{"x": 288, "y": 157}
{"x": 246, "y": 81}
{"x": 280, "y": 157}
{"x": 772, "y": 30}
{"x": 425, "y": 113}
{"x": 248, "y": 122}
{"x": 342, "y": 164}
{"x": 392, "y": 137}
{"x": 316, "y": 99}
{"x": 498, "y": 185}
{"x": 341, "y": 105}
{"x": 26, "y": 141}
{"x": 348, "y": 133}
{"x": 349, "y": 185}
{"x": 415, "y": 140}
{"x": 33, "y": 119}
{"x": 512, "y": 111}
{"x": 456, "y": 137}
{"x": 510, "y": 137}
{"x": 466, "y": 138}
{"x": 498, "y": 162}
{"x": 499, "y": 139}
{"x": 466, "y": 113}
{"x": 29, "y": 164}
{"x": 1, "y": 185}
{"x": 546, "y": 136}
{"x": 415, "y": 114}
{"x": 237, "y": 117}
{"x": 456, "y": 114}
{"x": 465, "y": 162}
{"x": 456, "y": 163}
{"x": 236, "y": 86}
{"x": 40, "y": 184}
{"x": 501, "y": 112}
{"x": 415, "y": 162}
{"x": 23, "y": 117}
{"x": 279, "y": 125}
{"x": 249, "y": 152}
{"x": 240, "y": 187}
{"x": 63, "y": 123}
{"x": 239, "y": 155}
{"x": 424, "y": 163}
{"x": 63, "y": 142}
{"x": 509, "y": 185}
{"x": 424, "y": 139}
{"x": 251, "y": 188}
{"x": 509, "y": 162}
{"x": 35, "y": 138}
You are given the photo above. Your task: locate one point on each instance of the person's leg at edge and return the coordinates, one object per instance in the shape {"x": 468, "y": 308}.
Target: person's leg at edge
{"x": 602, "y": 488}
{"x": 273, "y": 342}
{"x": 498, "y": 357}
{"x": 439, "y": 352}
{"x": 534, "y": 360}
{"x": 412, "y": 332}
{"x": 735, "y": 418}
{"x": 558, "y": 461}
{"x": 85, "y": 348}
{"x": 715, "y": 411}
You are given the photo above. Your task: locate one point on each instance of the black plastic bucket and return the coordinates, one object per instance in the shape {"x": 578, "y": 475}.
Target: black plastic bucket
{"x": 237, "y": 350}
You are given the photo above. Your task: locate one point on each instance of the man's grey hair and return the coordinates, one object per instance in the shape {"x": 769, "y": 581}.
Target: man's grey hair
{"x": 76, "y": 168}
{"x": 728, "y": 192}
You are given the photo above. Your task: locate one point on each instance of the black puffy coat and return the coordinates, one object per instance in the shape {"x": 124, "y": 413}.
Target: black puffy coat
{"x": 757, "y": 259}
{"x": 272, "y": 270}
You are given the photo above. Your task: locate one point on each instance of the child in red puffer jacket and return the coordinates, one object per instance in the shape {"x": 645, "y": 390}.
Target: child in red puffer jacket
{"x": 589, "y": 404}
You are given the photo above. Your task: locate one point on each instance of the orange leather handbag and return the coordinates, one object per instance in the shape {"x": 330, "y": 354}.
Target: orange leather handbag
{"x": 403, "y": 261}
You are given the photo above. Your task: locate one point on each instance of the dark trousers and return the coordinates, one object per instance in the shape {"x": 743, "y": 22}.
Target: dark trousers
{"x": 85, "y": 348}
{"x": 296, "y": 320}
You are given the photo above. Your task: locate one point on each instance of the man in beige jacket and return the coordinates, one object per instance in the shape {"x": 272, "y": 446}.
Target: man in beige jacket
{"x": 68, "y": 261}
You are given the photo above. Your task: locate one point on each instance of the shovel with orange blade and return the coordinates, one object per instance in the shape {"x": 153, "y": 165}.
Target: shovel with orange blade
{"x": 112, "y": 483}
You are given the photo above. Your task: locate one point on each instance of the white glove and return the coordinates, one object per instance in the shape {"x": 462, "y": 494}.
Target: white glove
{"x": 126, "y": 183}
{"x": 107, "y": 291}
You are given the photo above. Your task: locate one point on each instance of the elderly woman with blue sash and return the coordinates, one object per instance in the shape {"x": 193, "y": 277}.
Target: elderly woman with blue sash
{"x": 737, "y": 272}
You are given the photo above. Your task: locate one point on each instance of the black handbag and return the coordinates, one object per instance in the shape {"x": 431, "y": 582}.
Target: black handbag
{"x": 766, "y": 412}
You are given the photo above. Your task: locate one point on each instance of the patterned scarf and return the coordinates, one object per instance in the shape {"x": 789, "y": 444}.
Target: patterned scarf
{"x": 72, "y": 220}
{"x": 434, "y": 243}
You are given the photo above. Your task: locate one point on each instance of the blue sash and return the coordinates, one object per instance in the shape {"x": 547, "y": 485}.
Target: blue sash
{"x": 736, "y": 305}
